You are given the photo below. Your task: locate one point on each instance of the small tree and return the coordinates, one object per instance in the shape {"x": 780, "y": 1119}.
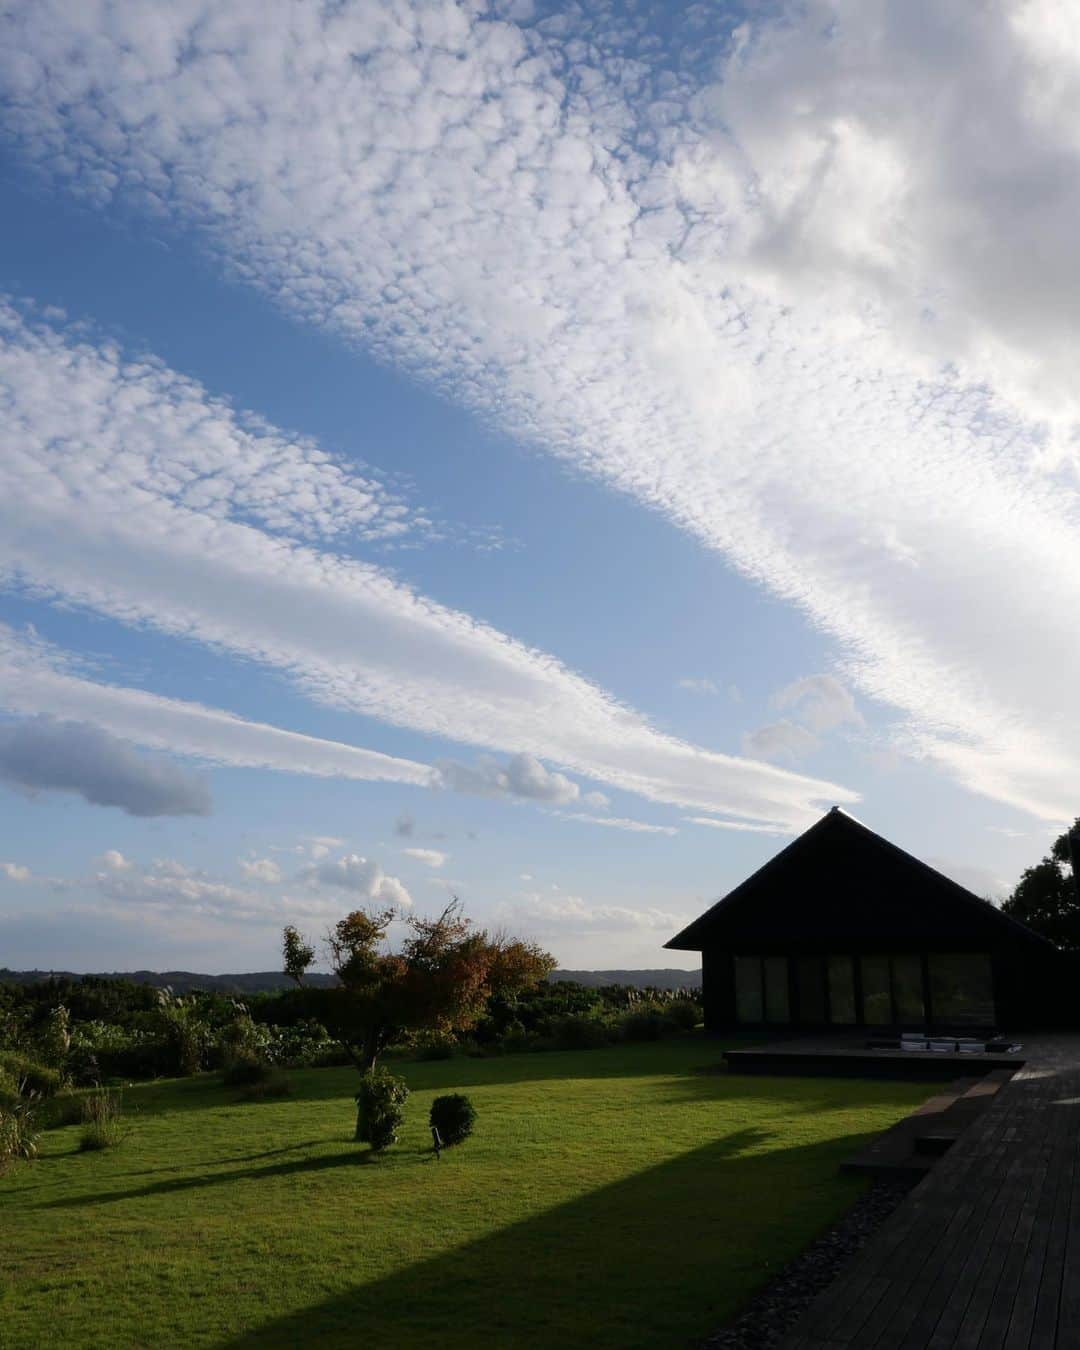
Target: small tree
{"x": 380, "y": 1108}
{"x": 298, "y": 955}
{"x": 439, "y": 981}
{"x": 1046, "y": 896}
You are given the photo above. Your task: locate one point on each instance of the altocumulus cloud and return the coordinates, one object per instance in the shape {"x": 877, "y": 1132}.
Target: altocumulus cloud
{"x": 45, "y": 754}
{"x": 790, "y": 307}
{"x": 125, "y": 543}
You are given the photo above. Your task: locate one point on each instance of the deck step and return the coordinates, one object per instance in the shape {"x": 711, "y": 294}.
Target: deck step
{"x": 910, "y": 1147}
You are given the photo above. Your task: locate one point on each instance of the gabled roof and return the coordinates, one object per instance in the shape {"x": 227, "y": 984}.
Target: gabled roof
{"x": 840, "y": 880}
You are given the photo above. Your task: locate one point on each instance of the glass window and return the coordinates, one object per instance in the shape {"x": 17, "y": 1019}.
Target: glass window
{"x": 877, "y": 999}
{"x": 961, "y": 989}
{"x": 908, "y": 990}
{"x": 776, "y": 989}
{"x": 810, "y": 982}
{"x": 841, "y": 990}
{"x": 749, "y": 1005}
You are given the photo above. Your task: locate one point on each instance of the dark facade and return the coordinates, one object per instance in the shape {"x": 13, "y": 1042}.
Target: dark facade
{"x": 844, "y": 929}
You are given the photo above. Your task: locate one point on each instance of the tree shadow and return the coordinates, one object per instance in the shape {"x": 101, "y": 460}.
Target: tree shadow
{"x": 654, "y": 1260}
{"x": 352, "y": 1157}
{"x": 638, "y": 1060}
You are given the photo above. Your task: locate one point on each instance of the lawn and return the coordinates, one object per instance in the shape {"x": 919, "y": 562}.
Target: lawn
{"x": 609, "y": 1198}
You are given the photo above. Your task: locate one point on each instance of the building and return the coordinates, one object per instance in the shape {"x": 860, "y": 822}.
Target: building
{"x": 844, "y": 929}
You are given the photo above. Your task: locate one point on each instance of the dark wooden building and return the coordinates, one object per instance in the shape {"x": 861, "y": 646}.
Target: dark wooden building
{"x": 844, "y": 929}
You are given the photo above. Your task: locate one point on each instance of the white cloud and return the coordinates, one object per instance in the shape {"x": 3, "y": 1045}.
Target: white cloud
{"x": 42, "y": 754}
{"x": 37, "y": 678}
{"x": 170, "y": 867}
{"x": 567, "y": 914}
{"x": 430, "y": 857}
{"x": 616, "y": 823}
{"x": 345, "y": 631}
{"x": 741, "y": 826}
{"x": 114, "y": 861}
{"x": 779, "y": 740}
{"x": 364, "y": 878}
{"x": 321, "y": 845}
{"x": 821, "y": 702}
{"x": 172, "y": 891}
{"x": 699, "y": 686}
{"x": 260, "y": 869}
{"x": 980, "y": 881}
{"x": 15, "y": 871}
{"x": 520, "y": 776}
{"x": 816, "y": 313}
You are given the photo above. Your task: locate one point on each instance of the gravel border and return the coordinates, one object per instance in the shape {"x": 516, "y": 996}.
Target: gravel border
{"x": 774, "y": 1311}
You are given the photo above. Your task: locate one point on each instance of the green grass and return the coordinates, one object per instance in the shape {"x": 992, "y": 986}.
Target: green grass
{"x": 609, "y": 1198}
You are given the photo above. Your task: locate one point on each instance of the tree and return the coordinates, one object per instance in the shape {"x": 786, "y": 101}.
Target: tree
{"x": 439, "y": 981}
{"x": 298, "y": 955}
{"x": 1046, "y": 898}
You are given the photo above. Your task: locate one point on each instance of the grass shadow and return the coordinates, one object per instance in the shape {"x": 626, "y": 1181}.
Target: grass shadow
{"x": 655, "y": 1260}
{"x": 227, "y": 1177}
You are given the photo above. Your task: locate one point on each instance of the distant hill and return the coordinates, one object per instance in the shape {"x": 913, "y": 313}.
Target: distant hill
{"x": 640, "y": 979}
{"x": 266, "y": 981}
{"x": 179, "y": 981}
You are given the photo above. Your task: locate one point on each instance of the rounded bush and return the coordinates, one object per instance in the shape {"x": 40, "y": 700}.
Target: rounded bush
{"x": 453, "y": 1116}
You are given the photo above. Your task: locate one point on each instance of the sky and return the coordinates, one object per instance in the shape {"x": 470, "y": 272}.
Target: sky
{"x": 537, "y": 453}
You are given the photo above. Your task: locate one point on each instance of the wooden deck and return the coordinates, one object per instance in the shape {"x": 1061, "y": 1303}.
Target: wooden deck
{"x": 849, "y": 1056}
{"x": 984, "y": 1254}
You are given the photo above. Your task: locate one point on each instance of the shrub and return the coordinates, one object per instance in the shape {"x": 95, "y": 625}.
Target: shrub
{"x": 453, "y": 1117}
{"x": 577, "y": 1033}
{"x": 82, "y": 1067}
{"x": 54, "y": 1036}
{"x": 65, "y": 1109}
{"x": 9, "y": 1089}
{"x": 18, "y": 1132}
{"x": 102, "y": 1113}
{"x": 646, "y": 1025}
{"x": 437, "y": 1047}
{"x": 379, "y": 1108}
{"x": 273, "y": 1084}
{"x": 29, "y": 1075}
{"x": 246, "y": 1070}
{"x": 683, "y": 1015}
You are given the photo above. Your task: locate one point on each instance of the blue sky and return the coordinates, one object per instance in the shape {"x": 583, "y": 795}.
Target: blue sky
{"x": 481, "y": 450}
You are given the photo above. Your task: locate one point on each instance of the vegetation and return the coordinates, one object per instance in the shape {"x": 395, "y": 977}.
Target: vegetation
{"x": 438, "y": 982}
{"x": 452, "y": 1117}
{"x": 92, "y": 1031}
{"x": 615, "y": 1198}
{"x": 19, "y": 1134}
{"x": 103, "y": 1127}
{"x": 380, "y": 1111}
{"x": 1046, "y": 896}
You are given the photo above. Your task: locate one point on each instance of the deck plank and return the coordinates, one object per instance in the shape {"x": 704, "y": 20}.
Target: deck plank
{"x": 984, "y": 1254}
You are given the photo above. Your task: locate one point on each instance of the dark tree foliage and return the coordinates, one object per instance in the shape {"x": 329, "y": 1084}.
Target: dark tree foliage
{"x": 1046, "y": 897}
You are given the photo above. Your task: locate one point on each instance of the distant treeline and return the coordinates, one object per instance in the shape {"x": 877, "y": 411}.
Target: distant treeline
{"x": 268, "y": 981}
{"x": 637, "y": 979}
